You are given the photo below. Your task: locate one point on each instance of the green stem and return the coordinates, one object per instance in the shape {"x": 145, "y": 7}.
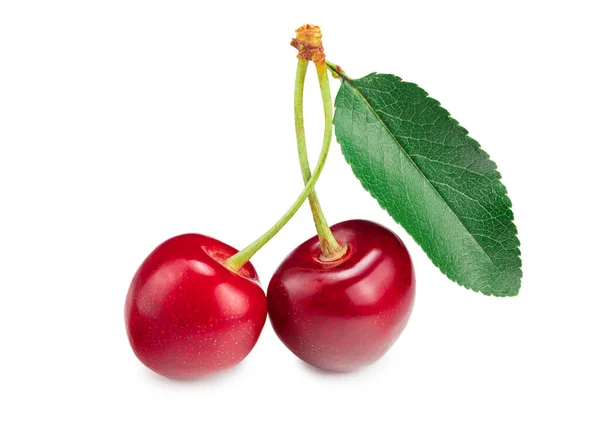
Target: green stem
{"x": 330, "y": 248}
{"x": 239, "y": 259}
{"x": 336, "y": 70}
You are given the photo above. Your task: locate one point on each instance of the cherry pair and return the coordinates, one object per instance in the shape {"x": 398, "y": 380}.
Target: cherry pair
{"x": 189, "y": 315}
{"x": 338, "y": 301}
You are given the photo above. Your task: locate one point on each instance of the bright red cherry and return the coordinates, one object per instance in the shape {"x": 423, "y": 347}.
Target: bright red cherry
{"x": 344, "y": 314}
{"x": 187, "y": 315}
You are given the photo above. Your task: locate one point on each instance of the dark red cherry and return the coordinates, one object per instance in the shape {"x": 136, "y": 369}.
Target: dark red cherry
{"x": 344, "y": 314}
{"x": 187, "y": 315}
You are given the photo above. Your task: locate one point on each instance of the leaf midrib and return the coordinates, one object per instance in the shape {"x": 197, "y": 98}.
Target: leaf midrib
{"x": 351, "y": 83}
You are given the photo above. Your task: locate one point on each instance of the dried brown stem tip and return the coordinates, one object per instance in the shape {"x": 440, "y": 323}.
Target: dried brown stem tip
{"x": 309, "y": 44}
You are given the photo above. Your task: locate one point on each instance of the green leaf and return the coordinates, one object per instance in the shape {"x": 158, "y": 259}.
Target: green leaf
{"x": 432, "y": 178}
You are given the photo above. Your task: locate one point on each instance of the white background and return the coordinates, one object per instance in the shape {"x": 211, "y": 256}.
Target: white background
{"x": 124, "y": 123}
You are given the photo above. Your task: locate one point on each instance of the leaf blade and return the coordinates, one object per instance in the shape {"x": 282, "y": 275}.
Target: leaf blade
{"x": 432, "y": 178}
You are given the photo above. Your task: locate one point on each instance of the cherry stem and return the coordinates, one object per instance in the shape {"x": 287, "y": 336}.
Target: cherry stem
{"x": 330, "y": 248}
{"x": 239, "y": 259}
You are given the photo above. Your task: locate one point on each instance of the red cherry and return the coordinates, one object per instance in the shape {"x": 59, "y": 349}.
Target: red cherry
{"x": 344, "y": 314}
{"x": 187, "y": 315}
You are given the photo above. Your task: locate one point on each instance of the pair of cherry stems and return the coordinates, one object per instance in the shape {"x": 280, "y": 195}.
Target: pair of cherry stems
{"x": 330, "y": 248}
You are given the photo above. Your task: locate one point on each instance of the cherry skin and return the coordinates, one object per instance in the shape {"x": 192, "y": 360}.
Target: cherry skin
{"x": 345, "y": 314}
{"x": 187, "y": 315}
